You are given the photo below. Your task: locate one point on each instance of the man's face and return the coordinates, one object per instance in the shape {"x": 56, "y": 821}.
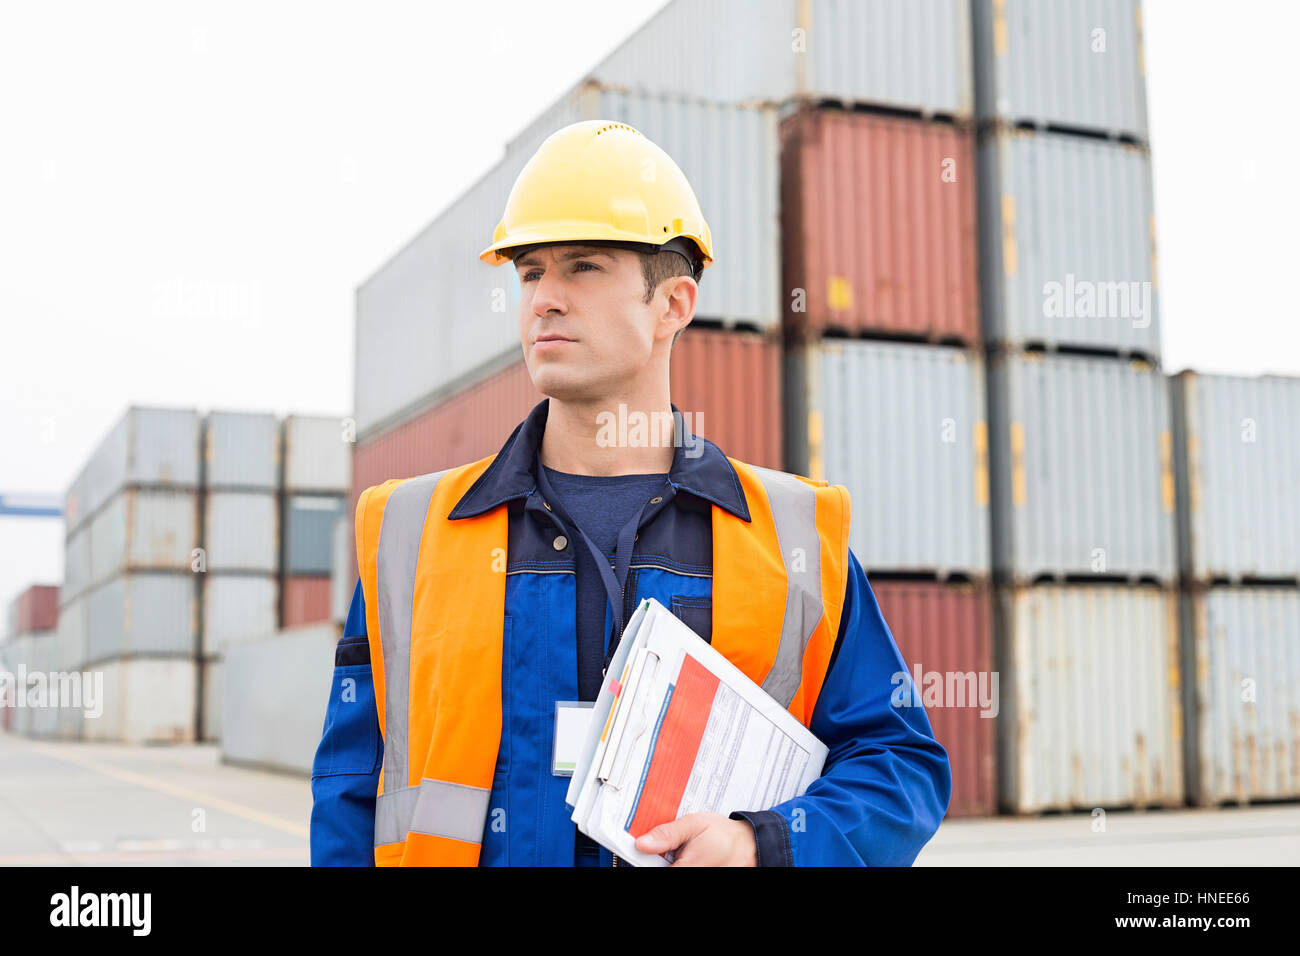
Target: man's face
{"x": 583, "y": 322}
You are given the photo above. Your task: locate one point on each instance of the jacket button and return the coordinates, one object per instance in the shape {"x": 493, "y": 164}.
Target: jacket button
{"x": 546, "y": 506}
{"x": 560, "y": 542}
{"x": 656, "y": 499}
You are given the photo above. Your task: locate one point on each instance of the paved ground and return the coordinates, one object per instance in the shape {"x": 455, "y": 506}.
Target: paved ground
{"x": 92, "y": 804}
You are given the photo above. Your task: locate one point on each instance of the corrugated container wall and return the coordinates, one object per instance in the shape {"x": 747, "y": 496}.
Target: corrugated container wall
{"x": 903, "y": 428}
{"x": 76, "y": 564}
{"x": 905, "y": 54}
{"x": 241, "y": 450}
{"x": 309, "y": 533}
{"x": 730, "y": 382}
{"x": 35, "y": 609}
{"x": 241, "y": 531}
{"x": 1091, "y": 710}
{"x": 945, "y": 629}
{"x": 1077, "y": 64}
{"x": 1238, "y": 471}
{"x": 144, "y": 530}
{"x": 1242, "y": 660}
{"x": 435, "y": 319}
{"x": 317, "y": 453}
{"x": 878, "y": 227}
{"x": 1067, "y": 243}
{"x": 150, "y": 614}
{"x": 1081, "y": 469}
{"x": 306, "y": 600}
{"x": 238, "y": 608}
{"x": 148, "y": 447}
{"x": 257, "y": 696}
{"x": 343, "y": 577}
{"x": 148, "y": 700}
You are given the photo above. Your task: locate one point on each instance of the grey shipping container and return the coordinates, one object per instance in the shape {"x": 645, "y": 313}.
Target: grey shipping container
{"x": 1242, "y": 672}
{"x": 435, "y": 319}
{"x": 1091, "y": 712}
{"x": 144, "y": 530}
{"x": 342, "y": 583}
{"x": 76, "y": 564}
{"x": 147, "y": 700}
{"x": 241, "y": 450}
{"x": 1081, "y": 468}
{"x": 903, "y": 428}
{"x": 210, "y": 683}
{"x": 256, "y": 695}
{"x": 149, "y": 614}
{"x": 317, "y": 454}
{"x": 1067, "y": 243}
{"x": 1077, "y": 65}
{"x": 237, "y": 608}
{"x": 147, "y": 447}
{"x": 309, "y": 532}
{"x": 1238, "y": 472}
{"x": 241, "y": 531}
{"x": 68, "y": 648}
{"x": 906, "y": 54}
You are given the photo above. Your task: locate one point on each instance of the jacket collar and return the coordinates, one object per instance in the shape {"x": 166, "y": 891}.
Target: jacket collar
{"x": 511, "y": 475}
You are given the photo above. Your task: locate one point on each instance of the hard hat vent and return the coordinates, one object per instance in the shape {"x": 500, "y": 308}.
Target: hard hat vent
{"x": 618, "y": 126}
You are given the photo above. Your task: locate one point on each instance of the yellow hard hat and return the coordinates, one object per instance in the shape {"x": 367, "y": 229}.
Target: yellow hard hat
{"x": 600, "y": 182}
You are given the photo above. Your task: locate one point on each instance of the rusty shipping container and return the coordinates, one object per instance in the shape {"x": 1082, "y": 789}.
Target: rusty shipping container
{"x": 1241, "y": 653}
{"x": 305, "y": 600}
{"x": 1238, "y": 474}
{"x": 878, "y": 227}
{"x": 1091, "y": 711}
{"x": 944, "y": 629}
{"x": 147, "y": 701}
{"x": 728, "y": 382}
{"x": 36, "y": 609}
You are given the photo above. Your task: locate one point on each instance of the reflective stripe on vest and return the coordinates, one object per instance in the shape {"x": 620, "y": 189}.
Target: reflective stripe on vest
{"x": 778, "y": 591}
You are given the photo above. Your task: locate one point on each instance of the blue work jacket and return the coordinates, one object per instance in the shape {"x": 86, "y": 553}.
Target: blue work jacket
{"x": 886, "y": 783}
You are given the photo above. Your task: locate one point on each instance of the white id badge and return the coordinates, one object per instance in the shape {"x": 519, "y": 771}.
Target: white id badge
{"x": 571, "y": 720}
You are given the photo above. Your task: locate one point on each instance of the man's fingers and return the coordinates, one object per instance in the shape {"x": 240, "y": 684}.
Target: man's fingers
{"x": 669, "y": 836}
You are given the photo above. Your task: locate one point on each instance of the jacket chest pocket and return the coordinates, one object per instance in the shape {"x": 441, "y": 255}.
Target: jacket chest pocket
{"x": 696, "y": 613}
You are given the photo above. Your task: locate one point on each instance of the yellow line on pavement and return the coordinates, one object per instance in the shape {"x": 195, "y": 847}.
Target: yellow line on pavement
{"x": 196, "y": 797}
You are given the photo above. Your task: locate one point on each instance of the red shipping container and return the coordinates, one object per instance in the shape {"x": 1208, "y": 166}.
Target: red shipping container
{"x": 730, "y": 382}
{"x": 305, "y": 599}
{"x": 38, "y": 609}
{"x": 878, "y": 227}
{"x": 946, "y": 628}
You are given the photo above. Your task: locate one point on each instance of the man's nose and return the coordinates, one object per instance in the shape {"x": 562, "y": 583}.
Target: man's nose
{"x": 548, "y": 293}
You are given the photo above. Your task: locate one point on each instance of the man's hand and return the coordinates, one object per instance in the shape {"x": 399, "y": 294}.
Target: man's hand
{"x": 703, "y": 839}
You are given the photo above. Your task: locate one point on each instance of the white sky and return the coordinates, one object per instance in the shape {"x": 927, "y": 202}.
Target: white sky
{"x": 271, "y": 156}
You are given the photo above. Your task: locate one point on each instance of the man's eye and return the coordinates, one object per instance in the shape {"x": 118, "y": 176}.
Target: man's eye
{"x": 524, "y": 277}
{"x": 586, "y": 264}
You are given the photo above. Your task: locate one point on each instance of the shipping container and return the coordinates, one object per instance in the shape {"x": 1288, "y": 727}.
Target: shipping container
{"x": 238, "y": 608}
{"x": 144, "y": 530}
{"x": 1067, "y": 244}
{"x": 76, "y": 564}
{"x": 148, "y": 447}
{"x": 343, "y": 577}
{"x": 731, "y": 156}
{"x": 42, "y": 657}
{"x": 435, "y": 319}
{"x": 241, "y": 450}
{"x": 944, "y": 630}
{"x": 1081, "y": 469}
{"x": 878, "y": 227}
{"x": 146, "y": 613}
{"x": 35, "y": 609}
{"x": 903, "y": 54}
{"x": 309, "y": 532}
{"x": 1091, "y": 711}
{"x": 210, "y": 682}
{"x": 1238, "y": 476}
{"x": 317, "y": 454}
{"x": 20, "y": 658}
{"x": 305, "y": 600}
{"x": 69, "y": 645}
{"x": 241, "y": 531}
{"x": 1076, "y": 65}
{"x": 148, "y": 700}
{"x": 903, "y": 428}
{"x": 1241, "y": 652}
{"x": 281, "y": 682}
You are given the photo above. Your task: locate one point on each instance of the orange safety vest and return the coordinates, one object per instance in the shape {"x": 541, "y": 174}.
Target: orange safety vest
{"x": 434, "y": 594}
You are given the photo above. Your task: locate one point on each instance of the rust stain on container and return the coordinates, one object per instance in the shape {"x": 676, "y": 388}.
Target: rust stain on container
{"x": 946, "y": 628}
{"x": 878, "y": 226}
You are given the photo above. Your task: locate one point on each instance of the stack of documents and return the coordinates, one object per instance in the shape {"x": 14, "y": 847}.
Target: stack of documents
{"x": 679, "y": 729}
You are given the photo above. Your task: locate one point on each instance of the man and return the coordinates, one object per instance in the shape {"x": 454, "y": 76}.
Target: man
{"x": 492, "y": 592}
